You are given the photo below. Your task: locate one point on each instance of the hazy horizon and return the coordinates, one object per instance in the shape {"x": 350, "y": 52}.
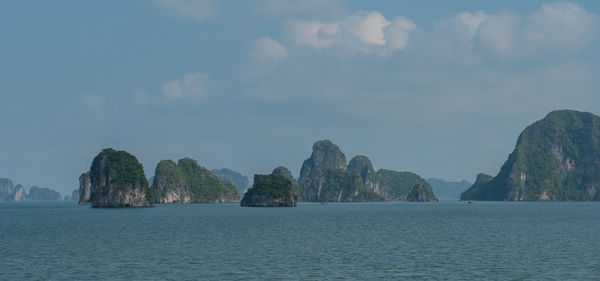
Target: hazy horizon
{"x": 439, "y": 89}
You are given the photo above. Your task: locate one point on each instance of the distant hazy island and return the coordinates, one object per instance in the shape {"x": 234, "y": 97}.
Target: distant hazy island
{"x": 11, "y": 192}
{"x": 240, "y": 181}
{"x": 556, "y": 159}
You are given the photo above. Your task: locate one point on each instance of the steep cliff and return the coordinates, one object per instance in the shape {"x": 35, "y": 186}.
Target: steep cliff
{"x": 6, "y": 190}
{"x": 85, "y": 188}
{"x": 188, "y": 182}
{"x": 20, "y": 193}
{"x": 324, "y": 177}
{"x": 556, "y": 158}
{"x": 118, "y": 180}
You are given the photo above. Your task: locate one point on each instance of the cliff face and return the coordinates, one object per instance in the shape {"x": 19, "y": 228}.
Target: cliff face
{"x": 43, "y": 194}
{"x": 240, "y": 181}
{"x": 188, "y": 182}
{"x": 421, "y": 193}
{"x": 272, "y": 190}
{"x": 556, "y": 158}
{"x": 325, "y": 177}
{"x": 325, "y": 156}
{"x": 85, "y": 188}
{"x": 20, "y": 193}
{"x": 361, "y": 166}
{"x": 118, "y": 180}
{"x": 6, "y": 190}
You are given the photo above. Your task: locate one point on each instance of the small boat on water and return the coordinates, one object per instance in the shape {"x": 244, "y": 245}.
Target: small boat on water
{"x": 471, "y": 202}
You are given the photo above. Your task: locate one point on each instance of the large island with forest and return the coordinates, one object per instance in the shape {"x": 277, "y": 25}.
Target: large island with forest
{"x": 556, "y": 159}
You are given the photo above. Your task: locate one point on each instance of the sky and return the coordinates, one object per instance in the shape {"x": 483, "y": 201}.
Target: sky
{"x": 439, "y": 88}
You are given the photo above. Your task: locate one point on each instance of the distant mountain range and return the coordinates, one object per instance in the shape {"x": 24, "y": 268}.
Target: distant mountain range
{"x": 448, "y": 190}
{"x": 11, "y": 192}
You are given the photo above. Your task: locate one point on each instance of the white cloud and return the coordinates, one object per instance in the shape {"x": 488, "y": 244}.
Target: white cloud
{"x": 499, "y": 33}
{"x": 189, "y": 9}
{"x": 471, "y": 21}
{"x": 367, "y": 27}
{"x": 191, "y": 85}
{"x": 314, "y": 33}
{"x": 397, "y": 33}
{"x": 267, "y": 48}
{"x": 360, "y": 32}
{"x": 560, "y": 25}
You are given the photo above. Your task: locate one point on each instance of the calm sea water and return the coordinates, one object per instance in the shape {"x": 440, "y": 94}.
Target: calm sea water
{"x": 423, "y": 241}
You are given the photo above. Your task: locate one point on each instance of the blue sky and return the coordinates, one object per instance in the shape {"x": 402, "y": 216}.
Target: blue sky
{"x": 440, "y": 88}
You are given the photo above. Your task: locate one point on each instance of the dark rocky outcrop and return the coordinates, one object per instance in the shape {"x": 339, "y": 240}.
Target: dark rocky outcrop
{"x": 240, "y": 181}
{"x": 556, "y": 158}
{"x": 421, "y": 193}
{"x": 188, "y": 182}
{"x": 477, "y": 190}
{"x": 274, "y": 190}
{"x": 118, "y": 180}
{"x": 43, "y": 194}
{"x": 85, "y": 188}
{"x": 325, "y": 177}
{"x": 448, "y": 190}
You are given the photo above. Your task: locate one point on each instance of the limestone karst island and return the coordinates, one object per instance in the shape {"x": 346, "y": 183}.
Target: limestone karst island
{"x": 556, "y": 159}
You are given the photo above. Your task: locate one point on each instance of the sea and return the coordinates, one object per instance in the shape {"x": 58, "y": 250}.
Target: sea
{"x": 448, "y": 240}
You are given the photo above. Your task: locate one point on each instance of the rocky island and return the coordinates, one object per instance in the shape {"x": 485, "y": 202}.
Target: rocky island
{"x": 188, "y": 182}
{"x": 556, "y": 158}
{"x": 116, "y": 180}
{"x": 325, "y": 177}
{"x": 274, "y": 190}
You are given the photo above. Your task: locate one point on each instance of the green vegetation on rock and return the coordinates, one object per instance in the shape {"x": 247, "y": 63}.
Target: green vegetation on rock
{"x": 556, "y": 158}
{"x": 325, "y": 177}
{"x": 421, "y": 193}
{"x": 270, "y": 191}
{"x": 188, "y": 182}
{"x": 117, "y": 180}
